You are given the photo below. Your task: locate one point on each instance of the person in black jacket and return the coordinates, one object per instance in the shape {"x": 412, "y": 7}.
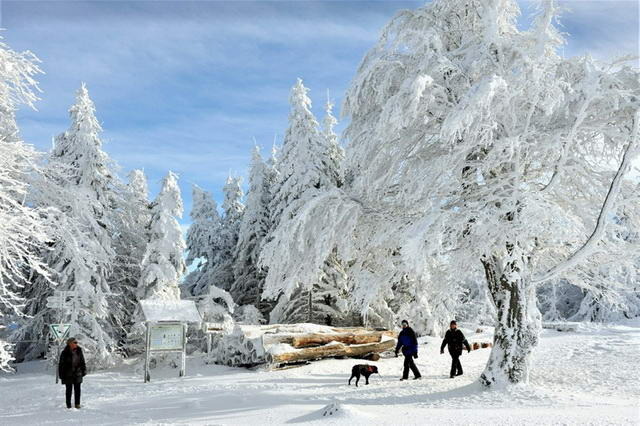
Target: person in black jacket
{"x": 455, "y": 339}
{"x": 408, "y": 341}
{"x": 71, "y": 370}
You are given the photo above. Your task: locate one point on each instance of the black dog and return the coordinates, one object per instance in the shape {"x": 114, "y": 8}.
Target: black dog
{"x": 363, "y": 370}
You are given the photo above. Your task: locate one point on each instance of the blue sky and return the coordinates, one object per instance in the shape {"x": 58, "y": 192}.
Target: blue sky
{"x": 187, "y": 86}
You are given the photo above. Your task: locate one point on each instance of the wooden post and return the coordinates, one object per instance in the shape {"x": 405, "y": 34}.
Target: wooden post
{"x": 184, "y": 350}
{"x": 147, "y": 354}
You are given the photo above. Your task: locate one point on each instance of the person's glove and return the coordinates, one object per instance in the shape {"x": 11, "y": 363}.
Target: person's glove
{"x": 415, "y": 356}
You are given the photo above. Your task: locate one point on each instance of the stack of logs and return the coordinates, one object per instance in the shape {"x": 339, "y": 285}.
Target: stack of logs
{"x": 237, "y": 349}
{"x": 284, "y": 344}
{"x": 479, "y": 345}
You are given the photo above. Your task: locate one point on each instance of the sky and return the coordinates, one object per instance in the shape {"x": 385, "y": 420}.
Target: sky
{"x": 192, "y": 86}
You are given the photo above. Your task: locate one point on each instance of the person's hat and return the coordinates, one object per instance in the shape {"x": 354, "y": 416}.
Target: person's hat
{"x": 405, "y": 322}
{"x": 71, "y": 340}
{"x": 453, "y": 322}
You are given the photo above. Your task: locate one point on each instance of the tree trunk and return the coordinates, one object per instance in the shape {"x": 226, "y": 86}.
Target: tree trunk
{"x": 518, "y": 324}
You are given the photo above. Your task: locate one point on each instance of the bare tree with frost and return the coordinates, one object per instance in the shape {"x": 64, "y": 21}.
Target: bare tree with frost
{"x": 22, "y": 230}
{"x": 475, "y": 143}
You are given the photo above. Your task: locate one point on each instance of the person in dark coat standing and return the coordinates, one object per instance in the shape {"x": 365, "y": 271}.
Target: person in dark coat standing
{"x": 408, "y": 341}
{"x": 455, "y": 339}
{"x": 71, "y": 370}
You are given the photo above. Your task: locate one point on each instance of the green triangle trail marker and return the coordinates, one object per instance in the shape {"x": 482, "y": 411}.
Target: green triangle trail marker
{"x": 60, "y": 331}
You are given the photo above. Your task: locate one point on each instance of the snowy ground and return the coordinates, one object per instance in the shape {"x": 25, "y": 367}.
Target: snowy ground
{"x": 590, "y": 376}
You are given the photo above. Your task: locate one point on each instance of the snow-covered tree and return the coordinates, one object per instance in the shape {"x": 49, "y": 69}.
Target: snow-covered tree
{"x": 18, "y": 86}
{"x": 475, "y": 143}
{"x": 130, "y": 244}
{"x": 163, "y": 265}
{"x": 227, "y": 235}
{"x": 254, "y": 226}
{"x": 303, "y": 166}
{"x": 249, "y": 314}
{"x": 70, "y": 252}
{"x": 621, "y": 264}
{"x": 335, "y": 152}
{"x": 89, "y": 176}
{"x": 82, "y": 192}
{"x": 202, "y": 241}
{"x": 309, "y": 165}
{"x": 22, "y": 229}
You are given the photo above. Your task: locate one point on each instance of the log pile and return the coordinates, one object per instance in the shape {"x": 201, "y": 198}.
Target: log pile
{"x": 276, "y": 345}
{"x": 480, "y": 345}
{"x": 237, "y": 350}
{"x": 561, "y": 326}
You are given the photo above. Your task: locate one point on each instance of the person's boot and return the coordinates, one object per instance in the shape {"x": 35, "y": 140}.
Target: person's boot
{"x": 417, "y": 378}
{"x": 403, "y": 378}
{"x": 77, "y": 406}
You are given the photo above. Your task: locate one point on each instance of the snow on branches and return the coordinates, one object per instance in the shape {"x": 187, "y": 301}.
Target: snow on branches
{"x": 472, "y": 143}
{"x": 22, "y": 230}
{"x": 254, "y": 226}
{"x": 201, "y": 241}
{"x": 163, "y": 264}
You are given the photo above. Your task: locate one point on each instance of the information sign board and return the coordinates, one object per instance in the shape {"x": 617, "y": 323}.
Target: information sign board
{"x": 166, "y": 337}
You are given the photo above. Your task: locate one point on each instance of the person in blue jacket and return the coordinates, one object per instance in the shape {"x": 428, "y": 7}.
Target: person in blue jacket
{"x": 408, "y": 341}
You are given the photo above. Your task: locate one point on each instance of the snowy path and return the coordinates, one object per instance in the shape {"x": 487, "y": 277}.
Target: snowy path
{"x": 588, "y": 377}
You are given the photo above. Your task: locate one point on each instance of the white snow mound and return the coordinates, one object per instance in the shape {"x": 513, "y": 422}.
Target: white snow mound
{"x": 334, "y": 412}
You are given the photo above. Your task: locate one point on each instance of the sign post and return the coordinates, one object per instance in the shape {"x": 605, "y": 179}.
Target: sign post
{"x": 211, "y": 329}
{"x": 60, "y": 331}
{"x": 166, "y": 337}
{"x": 166, "y": 329}
{"x": 65, "y": 303}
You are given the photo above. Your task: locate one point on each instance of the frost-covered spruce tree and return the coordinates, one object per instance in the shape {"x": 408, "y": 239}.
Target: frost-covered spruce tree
{"x": 85, "y": 191}
{"x": 303, "y": 165}
{"x": 22, "y": 229}
{"x": 473, "y": 142}
{"x": 202, "y": 242}
{"x": 163, "y": 265}
{"x": 308, "y": 166}
{"x": 71, "y": 252}
{"x": 130, "y": 245}
{"x": 254, "y": 226}
{"x": 226, "y": 238}
{"x": 335, "y": 152}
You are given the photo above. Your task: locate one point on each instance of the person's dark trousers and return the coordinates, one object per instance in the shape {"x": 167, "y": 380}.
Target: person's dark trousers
{"x": 409, "y": 365}
{"x": 456, "y": 367}
{"x": 76, "y": 393}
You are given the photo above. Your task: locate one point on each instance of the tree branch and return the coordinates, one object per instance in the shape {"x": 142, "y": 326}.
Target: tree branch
{"x": 609, "y": 202}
